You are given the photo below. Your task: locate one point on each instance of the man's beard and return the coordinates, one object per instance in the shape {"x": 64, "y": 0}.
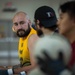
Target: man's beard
{"x": 23, "y": 33}
{"x": 39, "y": 32}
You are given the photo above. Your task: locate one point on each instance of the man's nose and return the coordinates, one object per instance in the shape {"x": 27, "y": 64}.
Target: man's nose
{"x": 19, "y": 26}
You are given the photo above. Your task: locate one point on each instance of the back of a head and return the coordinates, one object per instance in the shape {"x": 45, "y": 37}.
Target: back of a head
{"x": 46, "y": 15}
{"x": 53, "y": 45}
{"x": 68, "y": 7}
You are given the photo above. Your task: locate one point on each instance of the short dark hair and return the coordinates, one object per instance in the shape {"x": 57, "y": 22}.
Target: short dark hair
{"x": 68, "y": 7}
{"x": 53, "y": 28}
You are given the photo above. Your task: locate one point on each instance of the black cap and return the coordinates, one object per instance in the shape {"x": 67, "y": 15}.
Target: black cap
{"x": 46, "y": 15}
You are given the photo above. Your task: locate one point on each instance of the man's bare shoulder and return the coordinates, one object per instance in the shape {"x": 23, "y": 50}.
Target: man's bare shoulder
{"x": 32, "y": 40}
{"x": 33, "y": 37}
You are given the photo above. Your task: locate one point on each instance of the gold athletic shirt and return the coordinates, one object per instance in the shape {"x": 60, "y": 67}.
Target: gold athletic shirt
{"x": 23, "y": 49}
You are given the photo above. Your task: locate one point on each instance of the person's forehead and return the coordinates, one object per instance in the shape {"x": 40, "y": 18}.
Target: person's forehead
{"x": 63, "y": 13}
{"x": 19, "y": 17}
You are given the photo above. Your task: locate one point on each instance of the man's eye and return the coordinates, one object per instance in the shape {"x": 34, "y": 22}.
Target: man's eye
{"x": 22, "y": 22}
{"x": 15, "y": 24}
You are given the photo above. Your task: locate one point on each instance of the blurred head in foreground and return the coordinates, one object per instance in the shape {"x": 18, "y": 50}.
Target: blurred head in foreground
{"x": 52, "y": 53}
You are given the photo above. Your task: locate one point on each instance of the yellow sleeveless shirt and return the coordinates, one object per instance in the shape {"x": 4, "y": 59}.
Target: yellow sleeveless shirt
{"x": 23, "y": 49}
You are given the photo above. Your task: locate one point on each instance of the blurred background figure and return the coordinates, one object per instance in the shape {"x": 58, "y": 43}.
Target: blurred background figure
{"x": 52, "y": 54}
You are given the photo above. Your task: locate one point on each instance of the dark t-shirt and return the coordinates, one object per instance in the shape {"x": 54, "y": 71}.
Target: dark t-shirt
{"x": 72, "y": 61}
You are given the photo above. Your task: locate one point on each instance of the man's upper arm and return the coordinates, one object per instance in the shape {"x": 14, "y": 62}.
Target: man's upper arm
{"x": 31, "y": 42}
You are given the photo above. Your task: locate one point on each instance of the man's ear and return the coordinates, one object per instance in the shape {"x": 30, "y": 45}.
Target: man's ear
{"x": 30, "y": 22}
{"x": 13, "y": 29}
{"x": 37, "y": 22}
